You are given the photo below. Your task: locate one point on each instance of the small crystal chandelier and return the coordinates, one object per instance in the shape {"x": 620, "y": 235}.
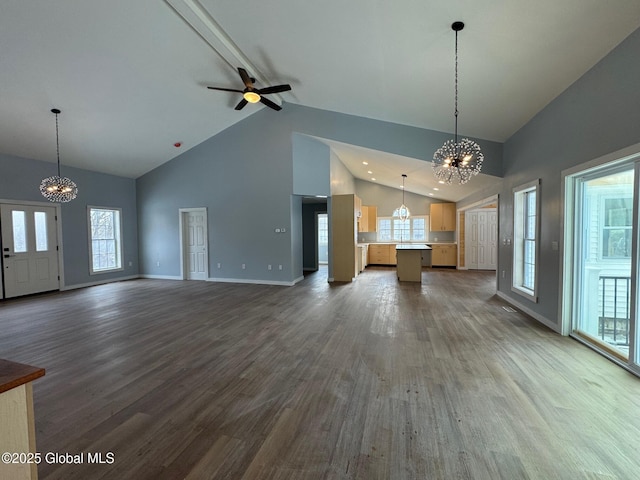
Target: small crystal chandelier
{"x": 56, "y": 188}
{"x": 457, "y": 160}
{"x": 402, "y": 212}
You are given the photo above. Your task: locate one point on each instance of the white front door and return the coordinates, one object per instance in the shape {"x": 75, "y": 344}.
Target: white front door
{"x": 29, "y": 249}
{"x": 195, "y": 244}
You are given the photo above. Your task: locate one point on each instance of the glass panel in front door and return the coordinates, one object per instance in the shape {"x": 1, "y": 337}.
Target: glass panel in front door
{"x": 40, "y": 223}
{"x": 19, "y": 224}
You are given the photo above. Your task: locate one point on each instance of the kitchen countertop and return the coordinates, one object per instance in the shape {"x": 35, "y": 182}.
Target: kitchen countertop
{"x": 412, "y": 246}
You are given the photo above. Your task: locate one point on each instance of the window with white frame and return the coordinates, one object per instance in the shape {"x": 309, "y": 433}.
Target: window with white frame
{"x": 105, "y": 239}
{"x": 526, "y": 217}
{"x": 392, "y": 229}
{"x": 616, "y": 228}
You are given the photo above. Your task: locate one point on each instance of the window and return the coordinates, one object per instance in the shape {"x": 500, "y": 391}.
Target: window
{"x": 616, "y": 229}
{"x": 392, "y": 229}
{"x": 105, "y": 240}
{"x": 525, "y": 242}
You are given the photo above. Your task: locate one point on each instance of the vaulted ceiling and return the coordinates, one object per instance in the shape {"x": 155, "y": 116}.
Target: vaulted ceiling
{"x": 130, "y": 76}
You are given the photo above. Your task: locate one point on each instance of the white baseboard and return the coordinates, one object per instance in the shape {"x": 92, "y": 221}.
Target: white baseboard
{"x": 255, "y": 281}
{"x": 99, "y": 282}
{"x": 162, "y": 277}
{"x": 536, "y": 316}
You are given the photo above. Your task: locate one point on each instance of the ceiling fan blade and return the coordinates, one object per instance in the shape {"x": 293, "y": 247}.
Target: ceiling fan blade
{"x": 246, "y": 79}
{"x": 241, "y": 104}
{"x": 225, "y": 89}
{"x": 270, "y": 104}
{"x": 275, "y": 89}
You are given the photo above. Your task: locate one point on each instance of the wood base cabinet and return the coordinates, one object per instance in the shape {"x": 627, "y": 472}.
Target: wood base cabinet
{"x": 444, "y": 255}
{"x": 382, "y": 254}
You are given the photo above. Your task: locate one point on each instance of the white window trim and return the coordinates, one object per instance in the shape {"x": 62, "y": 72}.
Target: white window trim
{"x": 90, "y": 240}
{"x": 518, "y": 227}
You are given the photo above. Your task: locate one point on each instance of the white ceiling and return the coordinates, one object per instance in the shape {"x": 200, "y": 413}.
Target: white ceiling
{"x": 130, "y": 76}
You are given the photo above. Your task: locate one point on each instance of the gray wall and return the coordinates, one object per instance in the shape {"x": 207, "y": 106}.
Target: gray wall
{"x": 246, "y": 176}
{"x": 20, "y": 179}
{"x": 598, "y": 114}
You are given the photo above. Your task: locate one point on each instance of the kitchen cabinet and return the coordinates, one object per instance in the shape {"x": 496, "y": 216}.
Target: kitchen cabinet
{"x": 368, "y": 221}
{"x": 442, "y": 217}
{"x": 382, "y": 254}
{"x": 344, "y": 214}
{"x": 443, "y": 255}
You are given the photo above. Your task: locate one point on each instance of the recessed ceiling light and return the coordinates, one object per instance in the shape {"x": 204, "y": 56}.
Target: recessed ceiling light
{"x": 431, "y": 194}
{"x": 436, "y": 188}
{"x": 373, "y": 179}
{"x": 369, "y": 172}
{"x": 365, "y": 163}
{"x": 441, "y": 181}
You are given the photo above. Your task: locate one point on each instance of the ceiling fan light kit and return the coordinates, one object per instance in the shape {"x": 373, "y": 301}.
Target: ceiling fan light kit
{"x": 457, "y": 160}
{"x": 56, "y": 188}
{"x": 251, "y": 94}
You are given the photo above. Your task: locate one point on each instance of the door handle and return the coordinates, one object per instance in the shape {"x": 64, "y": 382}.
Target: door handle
{"x": 7, "y": 256}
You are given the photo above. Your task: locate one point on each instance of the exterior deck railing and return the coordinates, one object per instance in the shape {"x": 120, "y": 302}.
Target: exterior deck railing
{"x": 614, "y": 301}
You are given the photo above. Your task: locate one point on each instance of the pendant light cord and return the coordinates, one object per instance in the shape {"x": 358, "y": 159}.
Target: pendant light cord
{"x": 455, "y": 113}
{"x": 57, "y": 144}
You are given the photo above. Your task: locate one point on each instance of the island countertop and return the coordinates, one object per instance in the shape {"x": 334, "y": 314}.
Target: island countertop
{"x": 13, "y": 374}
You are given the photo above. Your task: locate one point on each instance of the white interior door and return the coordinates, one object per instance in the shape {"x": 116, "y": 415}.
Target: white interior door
{"x": 481, "y": 239}
{"x": 196, "y": 244}
{"x": 29, "y": 249}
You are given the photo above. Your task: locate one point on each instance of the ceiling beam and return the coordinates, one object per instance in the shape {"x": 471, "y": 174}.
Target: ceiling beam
{"x": 206, "y": 27}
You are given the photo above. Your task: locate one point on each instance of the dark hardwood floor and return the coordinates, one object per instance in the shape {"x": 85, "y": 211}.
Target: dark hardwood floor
{"x": 368, "y": 380}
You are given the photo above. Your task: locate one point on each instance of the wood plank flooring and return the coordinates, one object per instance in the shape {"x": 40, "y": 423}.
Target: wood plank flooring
{"x": 368, "y": 380}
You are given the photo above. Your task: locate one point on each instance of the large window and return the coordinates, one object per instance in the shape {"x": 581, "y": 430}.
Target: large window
{"x": 392, "y": 229}
{"x": 525, "y": 241}
{"x": 105, "y": 239}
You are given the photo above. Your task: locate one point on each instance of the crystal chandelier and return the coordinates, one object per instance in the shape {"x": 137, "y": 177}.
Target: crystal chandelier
{"x": 56, "y": 188}
{"x": 457, "y": 160}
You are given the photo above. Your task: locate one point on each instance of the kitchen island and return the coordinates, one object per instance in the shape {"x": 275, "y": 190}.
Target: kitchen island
{"x": 409, "y": 256}
{"x": 17, "y": 423}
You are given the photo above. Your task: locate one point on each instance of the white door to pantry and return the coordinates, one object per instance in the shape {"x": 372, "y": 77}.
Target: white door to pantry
{"x": 29, "y": 249}
{"x": 195, "y": 244}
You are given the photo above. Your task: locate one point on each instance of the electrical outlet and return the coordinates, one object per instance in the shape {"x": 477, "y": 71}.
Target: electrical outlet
{"x": 244, "y": 266}
{"x": 268, "y": 267}
{"x": 158, "y": 263}
{"x": 218, "y": 265}
{"x": 279, "y": 267}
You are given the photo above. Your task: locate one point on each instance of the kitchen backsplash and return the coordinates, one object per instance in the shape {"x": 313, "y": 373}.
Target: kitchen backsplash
{"x": 439, "y": 237}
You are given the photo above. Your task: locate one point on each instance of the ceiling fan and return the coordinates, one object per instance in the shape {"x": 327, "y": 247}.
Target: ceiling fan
{"x": 252, "y": 94}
